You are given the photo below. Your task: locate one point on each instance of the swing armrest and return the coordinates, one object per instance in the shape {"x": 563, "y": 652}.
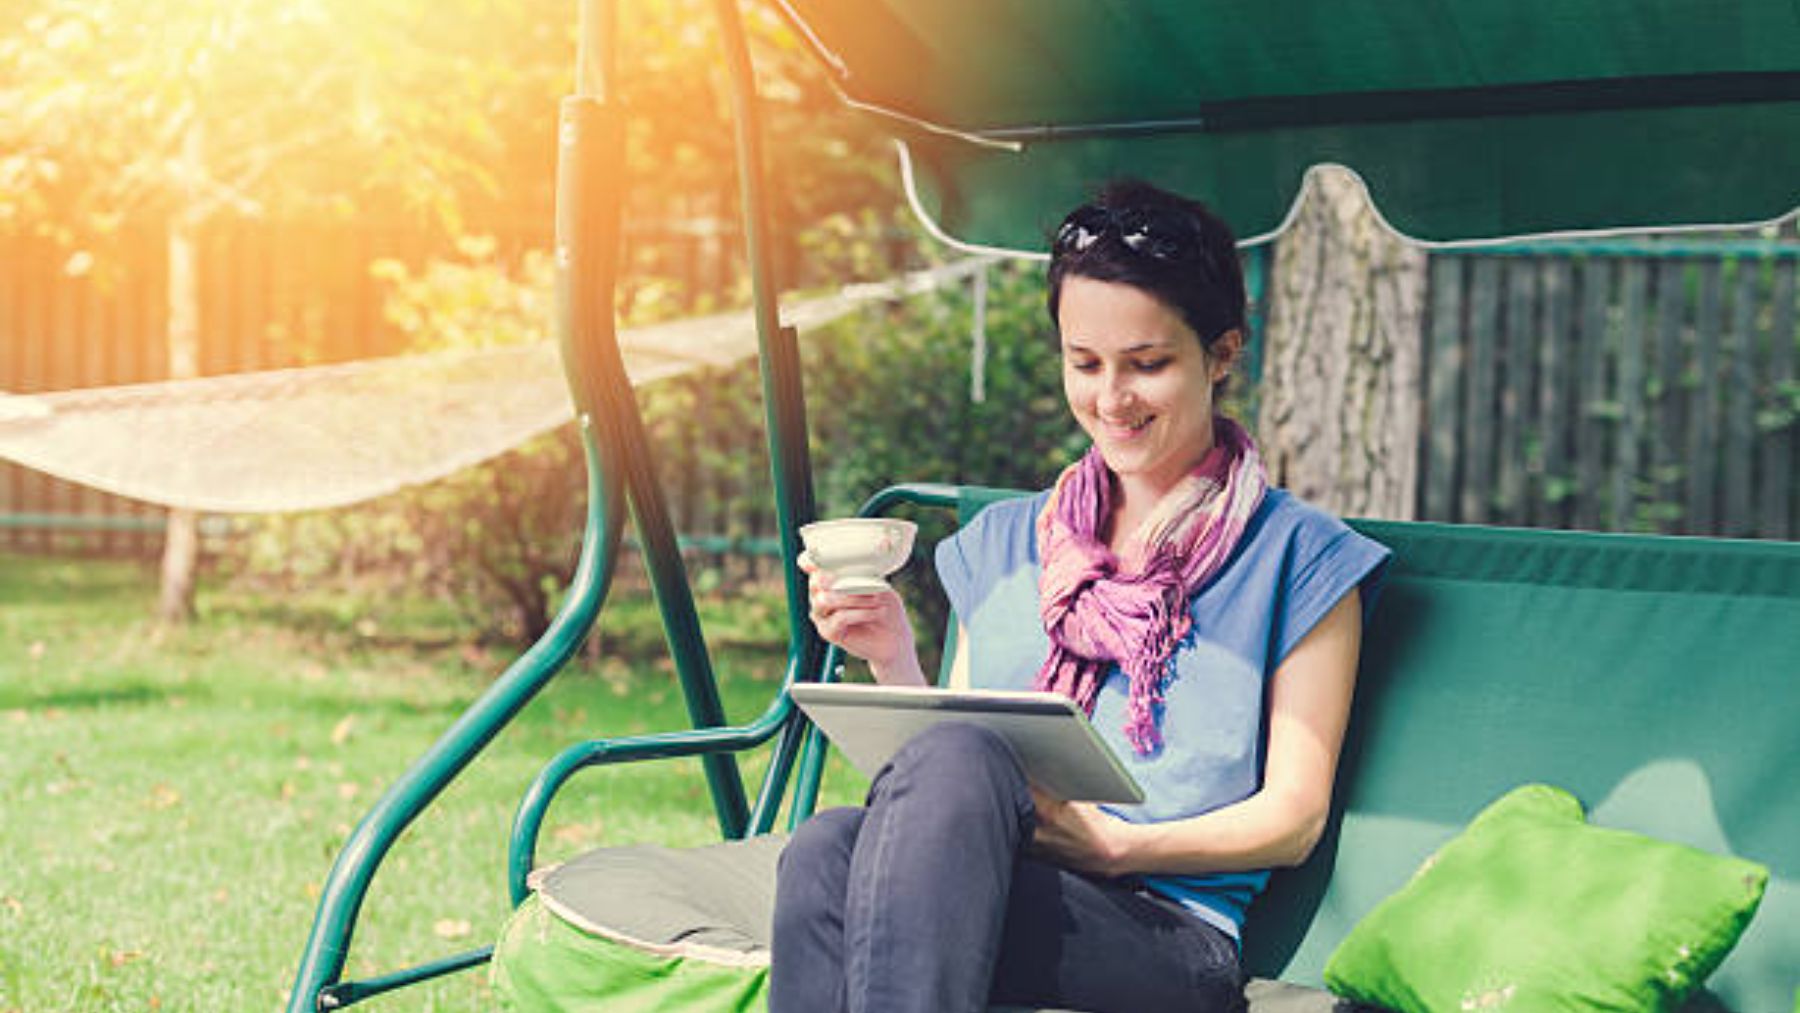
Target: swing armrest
{"x": 528, "y": 821}
{"x": 966, "y": 500}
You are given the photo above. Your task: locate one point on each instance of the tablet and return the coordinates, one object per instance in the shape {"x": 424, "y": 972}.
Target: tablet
{"x": 1058, "y": 747}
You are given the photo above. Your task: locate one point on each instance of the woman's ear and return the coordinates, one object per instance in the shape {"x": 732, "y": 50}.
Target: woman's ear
{"x": 1224, "y": 353}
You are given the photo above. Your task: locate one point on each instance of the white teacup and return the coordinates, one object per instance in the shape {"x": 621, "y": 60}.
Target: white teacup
{"x": 859, "y": 551}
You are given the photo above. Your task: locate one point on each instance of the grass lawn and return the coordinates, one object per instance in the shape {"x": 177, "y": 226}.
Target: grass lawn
{"x": 170, "y": 804}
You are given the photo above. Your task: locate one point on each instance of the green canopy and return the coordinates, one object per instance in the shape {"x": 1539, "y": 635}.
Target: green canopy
{"x": 1466, "y": 119}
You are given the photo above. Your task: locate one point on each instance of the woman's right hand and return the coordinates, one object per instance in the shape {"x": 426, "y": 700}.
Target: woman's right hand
{"x": 872, "y": 626}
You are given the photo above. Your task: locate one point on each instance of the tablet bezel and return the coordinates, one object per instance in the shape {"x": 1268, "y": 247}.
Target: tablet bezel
{"x": 1056, "y": 743}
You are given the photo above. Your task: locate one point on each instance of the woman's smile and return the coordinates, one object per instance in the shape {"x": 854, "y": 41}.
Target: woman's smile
{"x": 1125, "y": 429}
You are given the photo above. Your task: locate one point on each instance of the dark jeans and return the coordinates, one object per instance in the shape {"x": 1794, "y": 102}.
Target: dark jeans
{"x": 924, "y": 901}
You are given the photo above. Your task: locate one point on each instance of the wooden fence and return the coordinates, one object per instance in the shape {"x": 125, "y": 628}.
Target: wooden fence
{"x": 273, "y": 296}
{"x": 1622, "y": 387}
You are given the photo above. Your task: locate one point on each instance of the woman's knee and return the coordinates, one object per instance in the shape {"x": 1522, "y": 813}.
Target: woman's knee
{"x": 957, "y": 769}
{"x": 960, "y": 749}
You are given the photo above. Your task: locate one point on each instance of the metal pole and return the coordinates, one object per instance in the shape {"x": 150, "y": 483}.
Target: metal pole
{"x": 784, "y": 405}
{"x": 590, "y": 187}
{"x": 328, "y": 944}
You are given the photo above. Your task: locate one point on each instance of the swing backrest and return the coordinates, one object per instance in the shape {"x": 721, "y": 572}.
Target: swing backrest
{"x": 1652, "y": 677}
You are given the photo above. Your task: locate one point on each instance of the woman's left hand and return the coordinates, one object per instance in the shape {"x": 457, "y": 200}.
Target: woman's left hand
{"x": 1078, "y": 835}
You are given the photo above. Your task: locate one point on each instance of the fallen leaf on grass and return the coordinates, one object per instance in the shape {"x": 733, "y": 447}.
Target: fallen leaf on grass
{"x": 451, "y": 928}
{"x": 119, "y": 958}
{"x": 347, "y": 790}
{"x": 340, "y": 732}
{"x": 576, "y": 833}
{"x": 17, "y": 716}
{"x": 13, "y": 904}
{"x": 163, "y": 797}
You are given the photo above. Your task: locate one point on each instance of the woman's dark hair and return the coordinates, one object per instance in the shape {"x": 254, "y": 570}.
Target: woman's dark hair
{"x": 1172, "y": 247}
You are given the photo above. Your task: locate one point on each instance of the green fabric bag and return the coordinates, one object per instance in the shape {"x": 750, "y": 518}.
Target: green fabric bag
{"x": 549, "y": 964}
{"x": 1532, "y": 909}
{"x": 644, "y": 929}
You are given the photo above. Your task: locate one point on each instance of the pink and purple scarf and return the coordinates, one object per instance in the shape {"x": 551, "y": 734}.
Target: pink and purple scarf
{"x": 1132, "y": 607}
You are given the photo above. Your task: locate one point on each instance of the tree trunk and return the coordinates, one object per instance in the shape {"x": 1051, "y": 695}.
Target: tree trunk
{"x": 1339, "y": 424}
{"x": 181, "y": 539}
{"x": 180, "y": 560}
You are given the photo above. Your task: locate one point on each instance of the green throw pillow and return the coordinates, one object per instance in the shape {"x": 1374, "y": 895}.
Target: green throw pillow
{"x": 1531, "y": 909}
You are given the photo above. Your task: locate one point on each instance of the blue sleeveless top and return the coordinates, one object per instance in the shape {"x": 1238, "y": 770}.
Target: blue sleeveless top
{"x": 1293, "y": 564}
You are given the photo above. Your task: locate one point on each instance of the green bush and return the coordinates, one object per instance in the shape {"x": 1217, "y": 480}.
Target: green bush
{"x": 889, "y": 398}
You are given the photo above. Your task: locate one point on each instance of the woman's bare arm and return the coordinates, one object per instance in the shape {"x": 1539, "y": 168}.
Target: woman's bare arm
{"x": 1309, "y": 708}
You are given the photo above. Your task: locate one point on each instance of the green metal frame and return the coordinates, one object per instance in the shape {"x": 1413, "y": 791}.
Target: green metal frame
{"x": 210, "y": 524}
{"x": 621, "y": 472}
{"x": 1284, "y": 111}
{"x": 1739, "y": 249}
{"x": 83, "y": 522}
{"x": 316, "y": 983}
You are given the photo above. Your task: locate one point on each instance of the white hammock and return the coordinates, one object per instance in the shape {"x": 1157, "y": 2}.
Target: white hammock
{"x": 326, "y": 436}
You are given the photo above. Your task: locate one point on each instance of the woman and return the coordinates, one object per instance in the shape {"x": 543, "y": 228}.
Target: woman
{"x": 1209, "y": 624}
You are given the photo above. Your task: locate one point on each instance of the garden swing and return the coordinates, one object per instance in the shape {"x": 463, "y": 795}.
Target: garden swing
{"x": 1650, "y": 676}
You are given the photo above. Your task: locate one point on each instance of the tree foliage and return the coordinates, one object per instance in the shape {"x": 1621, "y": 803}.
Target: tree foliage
{"x": 301, "y": 109}
{"x": 168, "y": 114}
{"x": 438, "y": 113}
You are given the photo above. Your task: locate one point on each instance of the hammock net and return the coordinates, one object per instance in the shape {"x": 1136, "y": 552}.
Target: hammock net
{"x": 329, "y": 436}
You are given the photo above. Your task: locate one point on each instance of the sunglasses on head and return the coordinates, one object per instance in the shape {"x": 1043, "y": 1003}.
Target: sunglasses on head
{"x": 1151, "y": 232}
